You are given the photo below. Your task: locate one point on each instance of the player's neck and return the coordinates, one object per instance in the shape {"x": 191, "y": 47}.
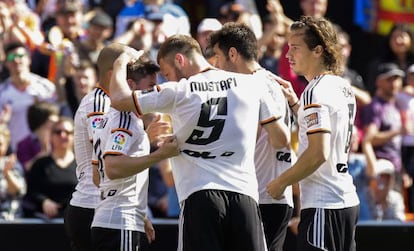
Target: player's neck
{"x": 316, "y": 72}
{"x": 250, "y": 67}
{"x": 199, "y": 64}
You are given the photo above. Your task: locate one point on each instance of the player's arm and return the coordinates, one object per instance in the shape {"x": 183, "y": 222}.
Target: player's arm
{"x": 379, "y": 138}
{"x": 121, "y": 94}
{"x": 121, "y": 166}
{"x": 308, "y": 162}
{"x": 290, "y": 95}
{"x": 95, "y": 175}
{"x": 278, "y": 131}
{"x": 149, "y": 229}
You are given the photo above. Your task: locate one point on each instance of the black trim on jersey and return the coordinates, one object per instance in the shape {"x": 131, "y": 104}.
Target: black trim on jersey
{"x": 99, "y": 100}
{"x": 270, "y": 121}
{"x": 307, "y": 96}
{"x": 318, "y": 131}
{"x": 136, "y": 105}
{"x": 111, "y": 154}
{"x": 125, "y": 120}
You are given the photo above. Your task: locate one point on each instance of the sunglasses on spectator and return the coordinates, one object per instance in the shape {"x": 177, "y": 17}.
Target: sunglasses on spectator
{"x": 60, "y": 131}
{"x": 12, "y": 56}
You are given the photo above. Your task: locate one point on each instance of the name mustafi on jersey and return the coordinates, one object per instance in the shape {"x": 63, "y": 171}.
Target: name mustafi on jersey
{"x": 221, "y": 85}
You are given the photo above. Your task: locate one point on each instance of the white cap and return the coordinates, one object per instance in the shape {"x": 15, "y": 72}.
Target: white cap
{"x": 209, "y": 24}
{"x": 383, "y": 166}
{"x": 410, "y": 69}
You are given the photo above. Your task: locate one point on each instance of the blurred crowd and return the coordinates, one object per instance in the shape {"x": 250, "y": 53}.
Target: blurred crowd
{"x": 48, "y": 53}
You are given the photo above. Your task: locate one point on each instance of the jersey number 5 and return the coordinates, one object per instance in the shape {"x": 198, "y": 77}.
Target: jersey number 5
{"x": 214, "y": 106}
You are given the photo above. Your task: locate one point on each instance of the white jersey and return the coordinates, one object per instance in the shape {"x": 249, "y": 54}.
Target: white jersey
{"x": 88, "y": 119}
{"x": 39, "y": 89}
{"x": 271, "y": 162}
{"x": 215, "y": 116}
{"x": 328, "y": 105}
{"x": 124, "y": 201}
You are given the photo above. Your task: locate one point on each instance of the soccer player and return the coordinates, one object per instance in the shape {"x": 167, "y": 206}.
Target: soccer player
{"x": 120, "y": 216}
{"x": 325, "y": 114}
{"x": 214, "y": 115}
{"x": 235, "y": 49}
{"x": 88, "y": 119}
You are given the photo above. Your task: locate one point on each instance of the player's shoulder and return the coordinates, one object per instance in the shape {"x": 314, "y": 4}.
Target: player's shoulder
{"x": 124, "y": 119}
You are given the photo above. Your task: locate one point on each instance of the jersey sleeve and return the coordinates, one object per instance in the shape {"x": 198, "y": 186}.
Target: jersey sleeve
{"x": 269, "y": 109}
{"x": 160, "y": 98}
{"x": 122, "y": 133}
{"x": 316, "y": 111}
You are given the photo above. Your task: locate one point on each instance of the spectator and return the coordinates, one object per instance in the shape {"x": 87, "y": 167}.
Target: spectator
{"x": 12, "y": 182}
{"x": 20, "y": 90}
{"x": 175, "y": 18}
{"x": 241, "y": 13}
{"x": 41, "y": 116}
{"x": 139, "y": 34}
{"x": 99, "y": 30}
{"x": 384, "y": 203}
{"x": 357, "y": 167}
{"x": 133, "y": 10}
{"x": 68, "y": 29}
{"x": 204, "y": 29}
{"x": 398, "y": 50}
{"x": 81, "y": 83}
{"x": 405, "y": 104}
{"x": 20, "y": 24}
{"x": 52, "y": 178}
{"x": 381, "y": 121}
{"x": 271, "y": 44}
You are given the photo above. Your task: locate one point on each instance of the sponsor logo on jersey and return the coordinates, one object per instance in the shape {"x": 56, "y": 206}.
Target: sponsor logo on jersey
{"x": 283, "y": 156}
{"x": 312, "y": 119}
{"x": 347, "y": 91}
{"x": 99, "y": 123}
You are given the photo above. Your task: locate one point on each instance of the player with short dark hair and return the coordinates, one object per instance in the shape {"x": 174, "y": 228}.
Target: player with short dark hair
{"x": 235, "y": 47}
{"x": 214, "y": 115}
{"x": 120, "y": 217}
{"x": 88, "y": 120}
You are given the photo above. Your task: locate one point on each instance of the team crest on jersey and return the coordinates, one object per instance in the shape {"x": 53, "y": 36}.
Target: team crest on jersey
{"x": 312, "y": 119}
{"x": 99, "y": 123}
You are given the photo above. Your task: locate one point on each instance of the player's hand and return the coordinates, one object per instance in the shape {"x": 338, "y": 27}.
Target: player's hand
{"x": 157, "y": 129}
{"x": 130, "y": 55}
{"x": 287, "y": 90}
{"x": 9, "y": 164}
{"x": 149, "y": 230}
{"x": 275, "y": 189}
{"x": 50, "y": 208}
{"x": 169, "y": 147}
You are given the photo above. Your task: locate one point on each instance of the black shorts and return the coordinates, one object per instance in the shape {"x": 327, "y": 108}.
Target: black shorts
{"x": 220, "y": 220}
{"x": 78, "y": 227}
{"x": 328, "y": 229}
{"x": 107, "y": 239}
{"x": 275, "y": 219}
